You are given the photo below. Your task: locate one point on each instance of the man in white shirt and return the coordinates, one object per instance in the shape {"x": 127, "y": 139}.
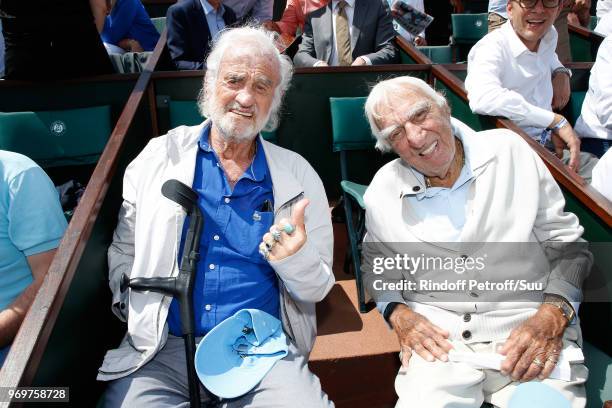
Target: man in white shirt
{"x": 603, "y": 8}
{"x": 512, "y": 72}
{"x": 602, "y": 175}
{"x": 595, "y": 122}
{"x": 348, "y": 32}
{"x": 604, "y": 25}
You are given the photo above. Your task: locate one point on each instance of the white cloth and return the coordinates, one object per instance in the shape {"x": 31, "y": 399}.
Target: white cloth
{"x": 596, "y": 116}
{"x": 145, "y": 244}
{"x": 456, "y": 384}
{"x": 506, "y": 79}
{"x": 602, "y": 175}
{"x": 604, "y": 26}
{"x": 603, "y": 8}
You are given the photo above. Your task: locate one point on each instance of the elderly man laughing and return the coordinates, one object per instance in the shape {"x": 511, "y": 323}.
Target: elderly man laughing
{"x": 251, "y": 193}
{"x": 451, "y": 193}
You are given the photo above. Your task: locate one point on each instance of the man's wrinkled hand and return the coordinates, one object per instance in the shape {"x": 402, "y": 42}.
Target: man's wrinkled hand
{"x": 416, "y": 333}
{"x": 281, "y": 241}
{"x": 565, "y": 137}
{"x": 534, "y": 347}
{"x": 561, "y": 91}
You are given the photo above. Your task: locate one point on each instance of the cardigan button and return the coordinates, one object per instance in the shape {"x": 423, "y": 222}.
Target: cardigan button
{"x": 466, "y": 334}
{"x": 467, "y": 317}
{"x": 416, "y": 188}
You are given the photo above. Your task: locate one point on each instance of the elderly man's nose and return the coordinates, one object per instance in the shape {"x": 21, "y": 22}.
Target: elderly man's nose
{"x": 245, "y": 98}
{"x": 415, "y": 135}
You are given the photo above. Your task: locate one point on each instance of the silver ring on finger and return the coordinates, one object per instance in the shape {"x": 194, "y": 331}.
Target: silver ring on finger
{"x": 538, "y": 362}
{"x": 264, "y": 251}
{"x": 269, "y": 243}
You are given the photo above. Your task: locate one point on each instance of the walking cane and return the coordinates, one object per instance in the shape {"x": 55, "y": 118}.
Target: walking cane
{"x": 181, "y": 286}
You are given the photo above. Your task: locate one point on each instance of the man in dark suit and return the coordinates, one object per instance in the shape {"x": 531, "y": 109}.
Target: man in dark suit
{"x": 192, "y": 24}
{"x": 348, "y": 32}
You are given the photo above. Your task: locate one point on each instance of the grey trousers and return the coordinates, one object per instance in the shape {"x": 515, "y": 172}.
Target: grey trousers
{"x": 162, "y": 382}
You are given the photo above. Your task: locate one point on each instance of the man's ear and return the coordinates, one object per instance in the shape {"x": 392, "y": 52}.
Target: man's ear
{"x": 509, "y": 7}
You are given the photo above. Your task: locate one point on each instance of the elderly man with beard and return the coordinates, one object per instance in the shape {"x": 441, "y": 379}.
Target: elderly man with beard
{"x": 454, "y": 194}
{"x": 247, "y": 189}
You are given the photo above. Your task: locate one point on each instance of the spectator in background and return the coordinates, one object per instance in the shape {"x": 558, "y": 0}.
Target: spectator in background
{"x": 251, "y": 10}
{"x": 294, "y": 16}
{"x": 419, "y": 39}
{"x": 192, "y": 26}
{"x": 514, "y": 72}
{"x": 31, "y": 226}
{"x": 129, "y": 27}
{"x": 602, "y": 175}
{"x": 52, "y": 40}
{"x": 595, "y": 122}
{"x": 348, "y": 32}
{"x": 574, "y": 10}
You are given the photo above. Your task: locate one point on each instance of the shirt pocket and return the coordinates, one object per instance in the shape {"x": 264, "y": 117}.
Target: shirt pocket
{"x": 252, "y": 234}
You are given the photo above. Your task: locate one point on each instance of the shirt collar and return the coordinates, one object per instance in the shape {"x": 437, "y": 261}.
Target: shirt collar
{"x": 517, "y": 47}
{"x": 477, "y": 154}
{"x": 208, "y": 9}
{"x": 258, "y": 168}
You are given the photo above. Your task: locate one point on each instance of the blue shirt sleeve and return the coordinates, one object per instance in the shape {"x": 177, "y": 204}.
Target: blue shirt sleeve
{"x": 36, "y": 220}
{"x": 120, "y": 21}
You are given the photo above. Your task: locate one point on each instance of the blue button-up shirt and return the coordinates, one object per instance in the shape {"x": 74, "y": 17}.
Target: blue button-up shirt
{"x": 231, "y": 274}
{"x": 214, "y": 18}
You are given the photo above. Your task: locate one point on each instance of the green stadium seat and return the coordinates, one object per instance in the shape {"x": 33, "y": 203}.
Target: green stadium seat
{"x": 439, "y": 54}
{"x": 186, "y": 113}
{"x": 159, "y": 23}
{"x": 469, "y": 28}
{"x": 57, "y": 138}
{"x": 351, "y": 132}
{"x": 593, "y": 23}
{"x": 599, "y": 384}
{"x": 575, "y": 106}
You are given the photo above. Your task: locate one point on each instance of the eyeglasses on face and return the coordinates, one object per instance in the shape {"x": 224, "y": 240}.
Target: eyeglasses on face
{"x": 528, "y": 4}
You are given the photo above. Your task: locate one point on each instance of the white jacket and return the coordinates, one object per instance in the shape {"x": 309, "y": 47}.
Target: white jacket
{"x": 145, "y": 244}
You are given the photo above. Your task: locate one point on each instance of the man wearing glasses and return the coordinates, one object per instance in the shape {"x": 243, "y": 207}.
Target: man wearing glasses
{"x": 512, "y": 72}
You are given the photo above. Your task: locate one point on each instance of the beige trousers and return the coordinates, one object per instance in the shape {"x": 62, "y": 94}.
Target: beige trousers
{"x": 458, "y": 385}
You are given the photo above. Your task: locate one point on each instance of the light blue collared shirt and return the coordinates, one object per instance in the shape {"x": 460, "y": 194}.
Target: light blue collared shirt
{"x": 442, "y": 206}
{"x": 214, "y": 18}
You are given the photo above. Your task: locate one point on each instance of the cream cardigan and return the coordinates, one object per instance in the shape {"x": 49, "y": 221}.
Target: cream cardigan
{"x": 513, "y": 199}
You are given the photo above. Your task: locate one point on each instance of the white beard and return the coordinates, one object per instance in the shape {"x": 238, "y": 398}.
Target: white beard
{"x": 230, "y": 127}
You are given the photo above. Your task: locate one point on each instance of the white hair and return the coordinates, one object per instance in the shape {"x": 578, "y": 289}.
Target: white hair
{"x": 264, "y": 42}
{"x": 381, "y": 96}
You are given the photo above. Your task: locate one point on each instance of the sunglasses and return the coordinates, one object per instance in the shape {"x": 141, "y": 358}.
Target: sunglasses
{"x": 527, "y": 4}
